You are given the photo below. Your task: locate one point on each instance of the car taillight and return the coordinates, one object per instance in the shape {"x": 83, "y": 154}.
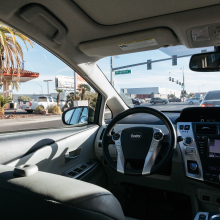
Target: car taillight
{"x": 206, "y": 105}
{"x": 30, "y": 104}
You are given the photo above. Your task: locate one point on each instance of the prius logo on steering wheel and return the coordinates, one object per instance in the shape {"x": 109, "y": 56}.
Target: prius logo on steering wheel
{"x": 135, "y": 136}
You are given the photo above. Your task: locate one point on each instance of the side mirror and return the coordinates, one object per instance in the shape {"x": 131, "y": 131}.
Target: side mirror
{"x": 205, "y": 62}
{"x": 78, "y": 115}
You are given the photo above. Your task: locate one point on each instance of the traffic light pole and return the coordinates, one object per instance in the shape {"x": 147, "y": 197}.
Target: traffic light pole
{"x": 183, "y": 84}
{"x": 111, "y": 70}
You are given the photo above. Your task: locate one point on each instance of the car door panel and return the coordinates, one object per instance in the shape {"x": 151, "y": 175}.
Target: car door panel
{"x": 51, "y": 158}
{"x": 15, "y": 145}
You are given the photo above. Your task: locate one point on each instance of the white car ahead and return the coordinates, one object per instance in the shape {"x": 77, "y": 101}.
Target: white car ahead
{"x": 192, "y": 101}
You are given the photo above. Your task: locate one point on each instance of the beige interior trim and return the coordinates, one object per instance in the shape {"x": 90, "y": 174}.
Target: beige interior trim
{"x": 120, "y": 11}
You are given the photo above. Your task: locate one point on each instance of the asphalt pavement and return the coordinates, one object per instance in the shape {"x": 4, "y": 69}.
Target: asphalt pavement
{"x": 54, "y": 121}
{"x": 172, "y": 106}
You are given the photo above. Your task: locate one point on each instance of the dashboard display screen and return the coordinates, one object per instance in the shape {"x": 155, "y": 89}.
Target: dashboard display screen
{"x": 214, "y": 148}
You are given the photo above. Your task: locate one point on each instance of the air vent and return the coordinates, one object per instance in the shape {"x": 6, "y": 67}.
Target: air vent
{"x": 206, "y": 129}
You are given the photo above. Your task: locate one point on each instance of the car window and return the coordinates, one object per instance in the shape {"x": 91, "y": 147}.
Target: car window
{"x": 107, "y": 113}
{"x": 44, "y": 79}
{"x": 213, "y": 95}
{"x": 42, "y": 99}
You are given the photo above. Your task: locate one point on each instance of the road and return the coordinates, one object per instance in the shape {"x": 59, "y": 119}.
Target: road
{"x": 55, "y": 121}
{"x": 173, "y": 106}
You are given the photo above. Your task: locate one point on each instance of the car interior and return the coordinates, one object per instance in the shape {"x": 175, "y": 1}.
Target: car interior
{"x": 140, "y": 164}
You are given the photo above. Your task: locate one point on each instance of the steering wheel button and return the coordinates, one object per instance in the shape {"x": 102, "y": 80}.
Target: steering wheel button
{"x": 115, "y": 136}
{"x": 158, "y": 136}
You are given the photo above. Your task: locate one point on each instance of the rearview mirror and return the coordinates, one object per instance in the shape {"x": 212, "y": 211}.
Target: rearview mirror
{"x": 79, "y": 115}
{"x": 205, "y": 62}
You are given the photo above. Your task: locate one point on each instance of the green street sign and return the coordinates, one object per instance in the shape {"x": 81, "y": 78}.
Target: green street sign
{"x": 122, "y": 72}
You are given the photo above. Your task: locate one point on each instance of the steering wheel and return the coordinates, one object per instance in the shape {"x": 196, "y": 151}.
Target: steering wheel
{"x": 136, "y": 144}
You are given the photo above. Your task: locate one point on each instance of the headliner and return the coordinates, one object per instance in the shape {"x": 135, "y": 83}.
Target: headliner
{"x": 120, "y": 11}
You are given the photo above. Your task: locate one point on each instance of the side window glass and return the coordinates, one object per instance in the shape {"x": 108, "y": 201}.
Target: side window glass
{"x": 43, "y": 85}
{"x": 107, "y": 113}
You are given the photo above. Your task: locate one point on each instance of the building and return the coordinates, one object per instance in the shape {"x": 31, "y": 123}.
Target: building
{"x": 25, "y": 76}
{"x": 150, "y": 90}
{"x": 34, "y": 96}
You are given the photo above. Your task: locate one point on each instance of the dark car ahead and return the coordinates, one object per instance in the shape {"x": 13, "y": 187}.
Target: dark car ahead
{"x": 154, "y": 101}
{"x": 212, "y": 99}
{"x": 136, "y": 102}
{"x": 174, "y": 100}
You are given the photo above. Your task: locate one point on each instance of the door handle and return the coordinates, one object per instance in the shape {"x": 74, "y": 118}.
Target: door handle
{"x": 73, "y": 155}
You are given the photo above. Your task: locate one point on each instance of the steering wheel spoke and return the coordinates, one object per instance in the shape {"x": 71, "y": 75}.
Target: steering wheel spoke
{"x": 120, "y": 158}
{"x": 153, "y": 151}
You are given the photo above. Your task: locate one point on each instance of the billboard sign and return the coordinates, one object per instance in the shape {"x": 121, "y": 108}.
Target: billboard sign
{"x": 64, "y": 82}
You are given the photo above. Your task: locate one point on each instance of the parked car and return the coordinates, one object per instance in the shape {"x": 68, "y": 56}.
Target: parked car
{"x": 154, "y": 101}
{"x": 45, "y": 101}
{"x": 142, "y": 101}
{"x": 175, "y": 100}
{"x": 212, "y": 99}
{"x": 136, "y": 102}
{"x": 192, "y": 101}
{"x": 24, "y": 104}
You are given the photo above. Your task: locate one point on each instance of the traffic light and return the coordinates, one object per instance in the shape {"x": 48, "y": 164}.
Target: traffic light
{"x": 172, "y": 79}
{"x": 148, "y": 64}
{"x": 177, "y": 82}
{"x": 169, "y": 78}
{"x": 180, "y": 83}
{"x": 174, "y": 60}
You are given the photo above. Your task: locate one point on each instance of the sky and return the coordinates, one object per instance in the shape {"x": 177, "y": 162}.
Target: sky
{"x": 38, "y": 59}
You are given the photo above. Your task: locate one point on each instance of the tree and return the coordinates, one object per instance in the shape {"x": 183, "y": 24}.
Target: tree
{"x": 172, "y": 96}
{"x": 11, "y": 54}
{"x": 3, "y": 103}
{"x": 15, "y": 85}
{"x": 84, "y": 88}
{"x": 58, "y": 96}
{"x": 191, "y": 94}
{"x": 23, "y": 98}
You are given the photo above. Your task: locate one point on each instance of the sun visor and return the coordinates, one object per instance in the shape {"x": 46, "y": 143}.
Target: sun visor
{"x": 129, "y": 43}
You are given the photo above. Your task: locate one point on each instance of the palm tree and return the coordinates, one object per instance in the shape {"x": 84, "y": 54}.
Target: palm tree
{"x": 3, "y": 103}
{"x": 58, "y": 96}
{"x": 84, "y": 88}
{"x": 11, "y": 54}
{"x": 15, "y": 85}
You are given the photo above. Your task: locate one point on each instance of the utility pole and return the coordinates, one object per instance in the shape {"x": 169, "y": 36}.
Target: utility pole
{"x": 41, "y": 88}
{"x": 111, "y": 70}
{"x": 75, "y": 82}
{"x": 183, "y": 84}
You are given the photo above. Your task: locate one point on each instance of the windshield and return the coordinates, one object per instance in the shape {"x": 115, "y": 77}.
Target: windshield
{"x": 161, "y": 78}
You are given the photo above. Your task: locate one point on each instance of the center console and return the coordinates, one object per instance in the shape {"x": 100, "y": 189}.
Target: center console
{"x": 201, "y": 150}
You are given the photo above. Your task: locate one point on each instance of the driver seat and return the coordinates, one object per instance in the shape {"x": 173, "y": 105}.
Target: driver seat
{"x": 40, "y": 195}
